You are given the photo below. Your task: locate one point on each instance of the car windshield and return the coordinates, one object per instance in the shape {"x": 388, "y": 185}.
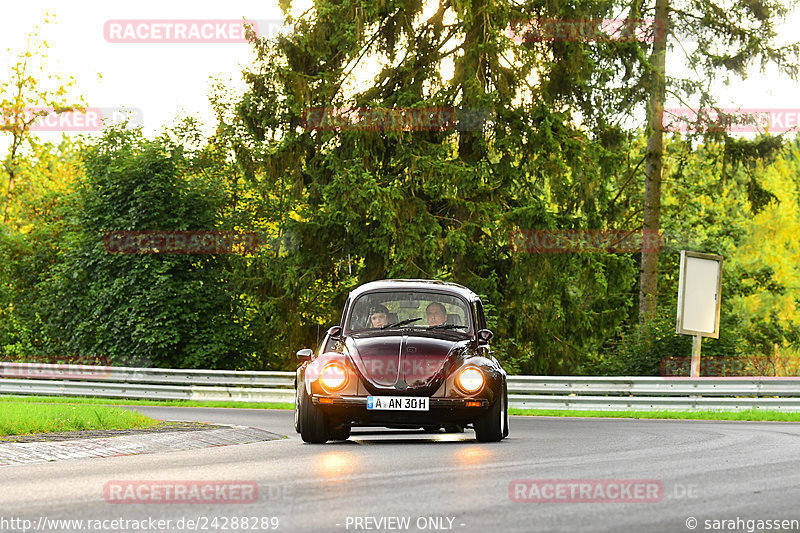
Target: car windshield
{"x": 409, "y": 309}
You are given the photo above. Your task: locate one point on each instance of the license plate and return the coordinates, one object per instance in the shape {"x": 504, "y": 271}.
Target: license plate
{"x": 397, "y": 403}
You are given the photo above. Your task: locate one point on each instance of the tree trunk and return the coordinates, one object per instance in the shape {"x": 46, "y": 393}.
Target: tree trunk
{"x": 648, "y": 273}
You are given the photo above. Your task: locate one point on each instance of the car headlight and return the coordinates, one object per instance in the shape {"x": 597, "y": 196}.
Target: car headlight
{"x": 470, "y": 379}
{"x": 333, "y": 376}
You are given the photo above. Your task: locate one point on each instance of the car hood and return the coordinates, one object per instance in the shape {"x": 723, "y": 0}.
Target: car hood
{"x": 402, "y": 362}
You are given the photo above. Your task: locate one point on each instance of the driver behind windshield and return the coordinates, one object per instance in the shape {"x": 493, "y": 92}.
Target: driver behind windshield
{"x": 437, "y": 314}
{"x": 378, "y": 316}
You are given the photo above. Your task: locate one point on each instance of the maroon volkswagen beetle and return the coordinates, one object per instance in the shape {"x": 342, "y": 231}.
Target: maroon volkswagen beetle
{"x": 408, "y": 354}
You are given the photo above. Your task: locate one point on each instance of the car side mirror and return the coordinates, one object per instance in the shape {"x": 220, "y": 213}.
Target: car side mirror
{"x": 335, "y": 331}
{"x": 304, "y": 354}
{"x": 484, "y": 336}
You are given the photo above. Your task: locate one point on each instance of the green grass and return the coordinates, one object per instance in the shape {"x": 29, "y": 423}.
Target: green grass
{"x": 22, "y": 417}
{"x": 753, "y": 415}
{"x": 168, "y": 403}
{"x": 745, "y": 415}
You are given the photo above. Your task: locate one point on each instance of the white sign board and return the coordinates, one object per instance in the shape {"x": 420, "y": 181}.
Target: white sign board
{"x": 699, "y": 294}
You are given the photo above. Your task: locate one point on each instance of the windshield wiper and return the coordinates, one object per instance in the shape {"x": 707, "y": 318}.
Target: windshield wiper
{"x": 401, "y": 323}
{"x": 447, "y": 326}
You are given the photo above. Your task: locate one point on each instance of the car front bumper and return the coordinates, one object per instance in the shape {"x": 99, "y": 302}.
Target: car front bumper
{"x": 435, "y": 403}
{"x": 440, "y": 410}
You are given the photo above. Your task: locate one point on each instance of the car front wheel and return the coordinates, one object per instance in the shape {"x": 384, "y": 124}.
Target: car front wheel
{"x": 493, "y": 425}
{"x": 297, "y": 410}
{"x": 314, "y": 425}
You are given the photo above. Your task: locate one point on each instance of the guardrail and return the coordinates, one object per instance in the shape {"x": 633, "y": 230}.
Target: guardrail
{"x": 146, "y": 383}
{"x": 653, "y": 393}
{"x": 530, "y": 392}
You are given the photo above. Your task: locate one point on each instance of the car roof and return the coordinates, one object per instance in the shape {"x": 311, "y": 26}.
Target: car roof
{"x": 414, "y": 285}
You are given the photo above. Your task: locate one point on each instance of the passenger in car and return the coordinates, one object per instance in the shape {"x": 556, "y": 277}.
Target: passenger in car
{"x": 437, "y": 314}
{"x": 377, "y": 316}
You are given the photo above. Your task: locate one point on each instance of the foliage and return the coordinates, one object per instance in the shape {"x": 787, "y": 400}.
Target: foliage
{"x": 32, "y": 242}
{"x": 339, "y": 206}
{"x": 144, "y": 310}
{"x": 363, "y": 204}
{"x": 28, "y": 94}
{"x": 708, "y": 208}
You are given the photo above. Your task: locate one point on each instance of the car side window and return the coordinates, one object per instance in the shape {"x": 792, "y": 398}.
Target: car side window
{"x": 331, "y": 344}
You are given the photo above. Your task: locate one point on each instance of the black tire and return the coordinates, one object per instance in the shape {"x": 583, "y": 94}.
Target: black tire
{"x": 453, "y": 428}
{"x": 341, "y": 433}
{"x": 314, "y": 425}
{"x": 297, "y": 410}
{"x": 493, "y": 425}
{"x": 505, "y": 414}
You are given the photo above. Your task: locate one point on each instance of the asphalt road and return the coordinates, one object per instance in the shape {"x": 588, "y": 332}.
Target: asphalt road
{"x": 409, "y": 481}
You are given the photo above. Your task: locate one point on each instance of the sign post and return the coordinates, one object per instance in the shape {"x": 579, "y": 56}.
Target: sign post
{"x": 695, "y": 369}
{"x": 699, "y": 300}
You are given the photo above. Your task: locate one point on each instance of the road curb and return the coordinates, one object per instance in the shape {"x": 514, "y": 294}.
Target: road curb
{"x": 13, "y": 453}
